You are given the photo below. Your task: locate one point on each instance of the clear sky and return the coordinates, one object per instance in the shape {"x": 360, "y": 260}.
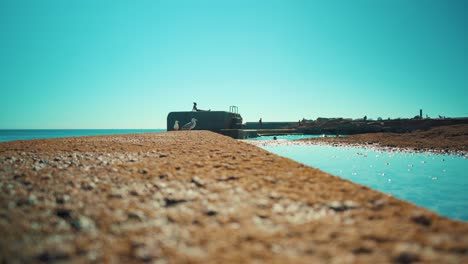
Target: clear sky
{"x": 127, "y": 64}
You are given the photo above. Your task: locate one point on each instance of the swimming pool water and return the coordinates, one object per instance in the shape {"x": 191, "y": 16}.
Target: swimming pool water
{"x": 434, "y": 181}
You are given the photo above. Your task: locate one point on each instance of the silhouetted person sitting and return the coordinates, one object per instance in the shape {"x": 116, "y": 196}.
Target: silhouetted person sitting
{"x": 195, "y": 108}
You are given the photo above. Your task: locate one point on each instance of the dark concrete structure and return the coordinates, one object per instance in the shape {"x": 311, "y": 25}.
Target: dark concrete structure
{"x": 270, "y": 125}
{"x": 226, "y": 123}
{"x": 206, "y": 120}
{"x": 252, "y": 133}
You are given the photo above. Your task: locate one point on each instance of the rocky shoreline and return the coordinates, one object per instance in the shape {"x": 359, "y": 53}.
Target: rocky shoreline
{"x": 440, "y": 140}
{"x": 344, "y": 126}
{"x": 195, "y": 197}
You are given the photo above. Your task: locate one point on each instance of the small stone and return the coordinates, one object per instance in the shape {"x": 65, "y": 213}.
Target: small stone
{"x": 88, "y": 186}
{"x": 362, "y": 250}
{"x": 169, "y": 202}
{"x": 37, "y": 167}
{"x": 136, "y": 215}
{"x": 160, "y": 185}
{"x": 262, "y": 203}
{"x": 143, "y": 171}
{"x": 270, "y": 179}
{"x": 18, "y": 177}
{"x": 274, "y": 196}
{"x": 378, "y": 204}
{"x": 61, "y": 199}
{"x": 143, "y": 254}
{"x": 406, "y": 253}
{"x": 198, "y": 182}
{"x": 134, "y": 192}
{"x": 278, "y": 208}
{"x": 115, "y": 195}
{"x": 407, "y": 258}
{"x": 63, "y": 213}
{"x": 26, "y": 182}
{"x": 211, "y": 212}
{"x": 227, "y": 178}
{"x": 22, "y": 202}
{"x": 421, "y": 219}
{"x": 32, "y": 199}
{"x": 351, "y": 204}
{"x": 82, "y": 223}
{"x": 53, "y": 255}
{"x": 163, "y": 155}
{"x": 46, "y": 177}
{"x": 342, "y": 206}
{"x": 134, "y": 243}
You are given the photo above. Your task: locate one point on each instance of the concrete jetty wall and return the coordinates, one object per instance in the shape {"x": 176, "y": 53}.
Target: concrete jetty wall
{"x": 269, "y": 125}
{"x": 206, "y": 120}
{"x": 200, "y": 197}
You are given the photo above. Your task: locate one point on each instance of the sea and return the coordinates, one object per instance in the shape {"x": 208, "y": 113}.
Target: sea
{"x": 28, "y": 134}
{"x": 438, "y": 182}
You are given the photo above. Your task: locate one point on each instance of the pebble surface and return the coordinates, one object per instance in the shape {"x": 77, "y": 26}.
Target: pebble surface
{"x": 200, "y": 197}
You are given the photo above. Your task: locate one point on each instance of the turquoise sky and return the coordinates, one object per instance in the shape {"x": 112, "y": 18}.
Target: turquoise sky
{"x": 127, "y": 64}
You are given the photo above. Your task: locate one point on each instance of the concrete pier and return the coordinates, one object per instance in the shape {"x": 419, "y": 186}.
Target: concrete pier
{"x": 206, "y": 120}
{"x": 226, "y": 123}
{"x": 200, "y": 197}
{"x": 252, "y": 133}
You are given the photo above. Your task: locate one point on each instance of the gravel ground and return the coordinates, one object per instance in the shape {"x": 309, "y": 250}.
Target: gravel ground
{"x": 200, "y": 197}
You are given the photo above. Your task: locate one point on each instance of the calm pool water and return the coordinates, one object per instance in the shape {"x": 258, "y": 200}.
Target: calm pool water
{"x": 288, "y": 137}
{"x": 434, "y": 181}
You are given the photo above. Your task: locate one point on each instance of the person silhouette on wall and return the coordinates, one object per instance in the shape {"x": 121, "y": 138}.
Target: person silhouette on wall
{"x": 195, "y": 108}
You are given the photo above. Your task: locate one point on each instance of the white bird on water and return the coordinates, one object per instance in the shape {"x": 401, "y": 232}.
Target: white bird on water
{"x": 176, "y": 125}
{"x": 190, "y": 125}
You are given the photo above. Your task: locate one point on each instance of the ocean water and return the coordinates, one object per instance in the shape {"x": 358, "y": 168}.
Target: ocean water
{"x": 434, "y": 181}
{"x": 28, "y": 134}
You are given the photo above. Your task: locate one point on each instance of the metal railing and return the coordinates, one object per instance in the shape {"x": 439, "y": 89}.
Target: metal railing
{"x": 233, "y": 109}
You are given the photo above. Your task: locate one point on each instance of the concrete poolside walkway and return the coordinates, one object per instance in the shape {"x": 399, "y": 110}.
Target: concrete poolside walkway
{"x": 200, "y": 197}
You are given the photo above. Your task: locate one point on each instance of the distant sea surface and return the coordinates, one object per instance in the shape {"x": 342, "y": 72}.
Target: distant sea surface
{"x": 28, "y": 134}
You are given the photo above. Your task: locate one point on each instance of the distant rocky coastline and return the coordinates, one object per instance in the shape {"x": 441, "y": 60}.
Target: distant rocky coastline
{"x": 451, "y": 138}
{"x": 343, "y": 126}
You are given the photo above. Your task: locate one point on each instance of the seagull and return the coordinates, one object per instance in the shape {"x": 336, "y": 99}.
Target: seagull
{"x": 176, "y": 125}
{"x": 190, "y": 125}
